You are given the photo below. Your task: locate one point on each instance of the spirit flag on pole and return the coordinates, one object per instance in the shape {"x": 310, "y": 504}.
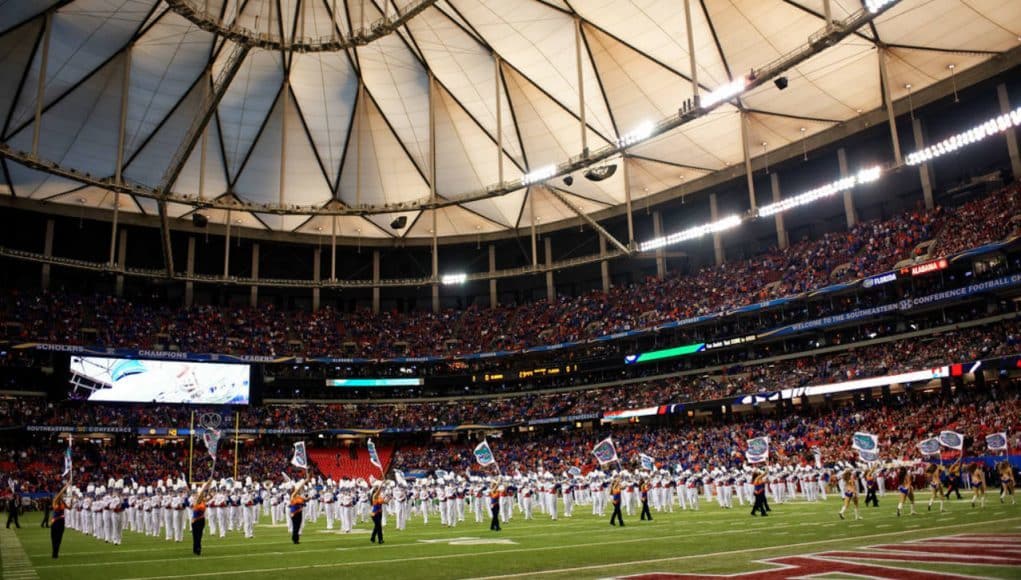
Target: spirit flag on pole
{"x": 373, "y": 456}
{"x": 300, "y": 459}
{"x": 483, "y": 454}
{"x": 929, "y": 446}
{"x": 574, "y": 471}
{"x": 67, "y": 458}
{"x": 867, "y": 445}
{"x": 758, "y": 450}
{"x": 951, "y": 439}
{"x": 868, "y": 456}
{"x": 648, "y": 463}
{"x": 865, "y": 442}
{"x": 605, "y": 451}
{"x": 997, "y": 441}
{"x": 211, "y": 437}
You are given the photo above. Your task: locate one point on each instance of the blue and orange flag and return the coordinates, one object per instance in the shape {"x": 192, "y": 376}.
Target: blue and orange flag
{"x": 605, "y": 451}
{"x": 374, "y": 456}
{"x": 483, "y": 454}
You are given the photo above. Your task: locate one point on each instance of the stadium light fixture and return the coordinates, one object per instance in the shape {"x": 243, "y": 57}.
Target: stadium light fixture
{"x": 874, "y": 6}
{"x": 639, "y": 133}
{"x": 540, "y": 174}
{"x": 691, "y": 233}
{"x": 864, "y": 176}
{"x": 991, "y": 127}
{"x": 452, "y": 279}
{"x": 724, "y": 92}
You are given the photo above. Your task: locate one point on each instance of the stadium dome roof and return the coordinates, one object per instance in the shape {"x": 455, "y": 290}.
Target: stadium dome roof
{"x": 368, "y": 109}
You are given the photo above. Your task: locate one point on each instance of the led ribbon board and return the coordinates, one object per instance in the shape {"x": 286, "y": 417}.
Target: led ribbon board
{"x": 373, "y": 382}
{"x": 665, "y": 353}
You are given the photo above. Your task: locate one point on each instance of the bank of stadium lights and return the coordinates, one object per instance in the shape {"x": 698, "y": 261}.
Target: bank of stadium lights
{"x": 991, "y": 127}
{"x": 874, "y": 6}
{"x": 864, "y": 176}
{"x": 453, "y": 279}
{"x": 639, "y": 133}
{"x": 691, "y": 233}
{"x": 724, "y": 92}
{"x": 540, "y": 174}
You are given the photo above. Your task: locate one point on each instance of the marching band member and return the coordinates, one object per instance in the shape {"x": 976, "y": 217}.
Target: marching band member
{"x": 247, "y": 500}
{"x": 177, "y": 513}
{"x": 569, "y": 498}
{"x": 329, "y": 500}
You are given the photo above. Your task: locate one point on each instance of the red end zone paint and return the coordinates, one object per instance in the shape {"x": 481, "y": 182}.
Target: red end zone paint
{"x": 981, "y": 549}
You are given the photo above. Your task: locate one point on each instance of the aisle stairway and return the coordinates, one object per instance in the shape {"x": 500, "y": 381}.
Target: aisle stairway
{"x": 336, "y": 462}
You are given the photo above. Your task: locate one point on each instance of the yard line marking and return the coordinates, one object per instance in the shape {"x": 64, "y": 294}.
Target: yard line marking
{"x": 711, "y": 555}
{"x": 15, "y": 562}
{"x": 388, "y": 546}
{"x": 550, "y": 548}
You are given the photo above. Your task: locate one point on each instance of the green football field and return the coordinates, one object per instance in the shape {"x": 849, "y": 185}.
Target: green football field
{"x": 710, "y": 541}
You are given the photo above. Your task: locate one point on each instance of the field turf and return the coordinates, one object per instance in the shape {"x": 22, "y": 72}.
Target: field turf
{"x": 710, "y": 541}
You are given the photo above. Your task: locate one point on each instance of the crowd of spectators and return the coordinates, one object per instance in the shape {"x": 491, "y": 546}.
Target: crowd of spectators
{"x": 900, "y": 425}
{"x": 143, "y": 462}
{"x": 910, "y": 354}
{"x": 703, "y": 443}
{"x": 982, "y": 220}
{"x": 868, "y": 248}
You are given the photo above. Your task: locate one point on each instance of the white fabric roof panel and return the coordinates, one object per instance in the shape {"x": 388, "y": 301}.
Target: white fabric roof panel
{"x": 325, "y": 86}
{"x": 34, "y": 184}
{"x": 165, "y": 63}
{"x": 85, "y": 35}
{"x": 366, "y": 111}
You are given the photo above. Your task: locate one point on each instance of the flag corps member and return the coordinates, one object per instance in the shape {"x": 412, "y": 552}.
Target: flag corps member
{"x": 377, "y": 513}
{"x": 297, "y": 502}
{"x": 59, "y": 507}
{"x": 198, "y": 518}
{"x": 57, "y": 520}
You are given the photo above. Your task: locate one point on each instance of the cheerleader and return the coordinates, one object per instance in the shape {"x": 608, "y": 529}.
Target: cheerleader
{"x": 978, "y": 485}
{"x": 850, "y": 487}
{"x": 1006, "y": 480}
{"x": 906, "y": 490}
{"x": 933, "y": 473}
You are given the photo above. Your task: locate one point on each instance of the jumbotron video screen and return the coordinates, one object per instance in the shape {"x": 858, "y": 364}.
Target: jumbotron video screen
{"x": 144, "y": 381}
